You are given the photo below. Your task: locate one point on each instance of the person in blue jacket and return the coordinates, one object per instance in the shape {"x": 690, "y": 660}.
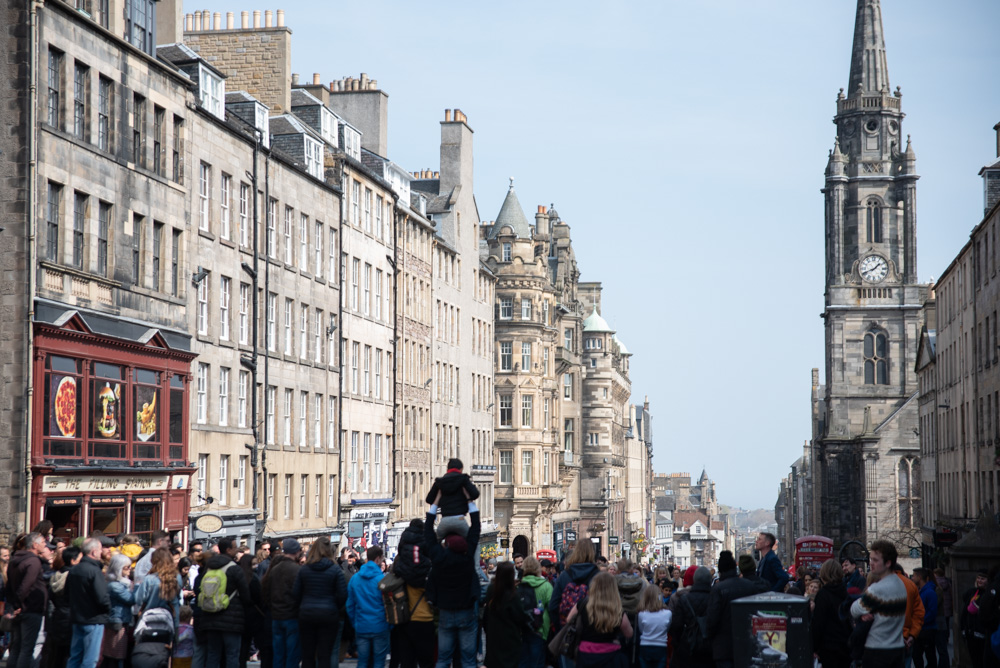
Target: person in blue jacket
{"x": 769, "y": 568}
{"x": 924, "y": 647}
{"x": 367, "y": 612}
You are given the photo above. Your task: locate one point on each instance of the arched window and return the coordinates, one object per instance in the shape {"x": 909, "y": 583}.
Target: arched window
{"x": 876, "y": 358}
{"x": 874, "y": 222}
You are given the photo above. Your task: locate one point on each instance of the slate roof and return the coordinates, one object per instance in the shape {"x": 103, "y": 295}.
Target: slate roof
{"x": 511, "y": 215}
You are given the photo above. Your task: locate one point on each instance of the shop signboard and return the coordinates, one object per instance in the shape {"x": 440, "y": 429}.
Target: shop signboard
{"x": 570, "y": 536}
{"x": 612, "y": 540}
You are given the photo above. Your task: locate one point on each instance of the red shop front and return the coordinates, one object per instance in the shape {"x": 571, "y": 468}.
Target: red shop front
{"x": 109, "y": 450}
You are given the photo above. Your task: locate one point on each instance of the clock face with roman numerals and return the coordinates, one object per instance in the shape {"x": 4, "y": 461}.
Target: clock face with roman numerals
{"x": 874, "y": 268}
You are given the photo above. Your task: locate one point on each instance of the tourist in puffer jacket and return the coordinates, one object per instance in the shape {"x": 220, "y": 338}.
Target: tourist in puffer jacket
{"x": 367, "y": 611}
{"x": 319, "y": 592}
{"x": 415, "y": 641}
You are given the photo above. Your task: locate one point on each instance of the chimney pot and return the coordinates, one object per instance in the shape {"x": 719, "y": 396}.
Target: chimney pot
{"x": 295, "y": 78}
{"x": 268, "y": 18}
{"x": 189, "y": 22}
{"x": 373, "y": 84}
{"x": 245, "y": 20}
{"x": 364, "y": 81}
{"x": 281, "y": 18}
{"x": 437, "y": 175}
{"x": 316, "y": 79}
{"x": 197, "y": 20}
{"x": 230, "y": 21}
{"x": 256, "y": 18}
{"x": 217, "y": 21}
{"x": 541, "y": 209}
{"x": 447, "y": 115}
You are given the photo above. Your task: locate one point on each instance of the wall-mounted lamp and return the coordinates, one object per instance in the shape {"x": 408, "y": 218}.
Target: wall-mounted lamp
{"x": 199, "y": 276}
{"x": 428, "y": 382}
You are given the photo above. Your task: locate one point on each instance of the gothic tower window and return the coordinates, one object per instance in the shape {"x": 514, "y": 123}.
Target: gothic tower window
{"x": 874, "y": 222}
{"x": 876, "y": 359}
{"x": 908, "y": 492}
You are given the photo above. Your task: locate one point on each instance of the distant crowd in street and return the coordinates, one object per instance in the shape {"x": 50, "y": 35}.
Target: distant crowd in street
{"x": 120, "y": 604}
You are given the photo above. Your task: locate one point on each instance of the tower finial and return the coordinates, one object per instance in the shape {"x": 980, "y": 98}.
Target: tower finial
{"x": 511, "y": 183}
{"x": 869, "y": 68}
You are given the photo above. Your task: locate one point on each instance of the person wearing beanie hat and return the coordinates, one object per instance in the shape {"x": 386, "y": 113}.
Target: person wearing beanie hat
{"x": 452, "y": 493}
{"x": 276, "y": 593}
{"x": 688, "y": 578}
{"x": 748, "y": 571}
{"x": 688, "y": 605}
{"x": 720, "y": 617}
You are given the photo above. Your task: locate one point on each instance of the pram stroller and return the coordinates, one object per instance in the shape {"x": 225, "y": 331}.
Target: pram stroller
{"x": 154, "y": 637}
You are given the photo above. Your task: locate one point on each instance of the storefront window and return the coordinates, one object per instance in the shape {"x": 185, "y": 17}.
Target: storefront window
{"x": 176, "y": 417}
{"x": 63, "y": 386}
{"x": 145, "y": 518}
{"x": 106, "y": 433}
{"x": 107, "y": 518}
{"x": 147, "y": 415}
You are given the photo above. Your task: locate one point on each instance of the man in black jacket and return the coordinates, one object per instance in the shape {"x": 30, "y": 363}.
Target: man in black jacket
{"x": 720, "y": 616}
{"x": 27, "y": 593}
{"x": 89, "y": 606}
{"x": 276, "y": 592}
{"x": 413, "y": 642}
{"x": 222, "y": 630}
{"x": 453, "y": 587}
{"x": 687, "y": 607}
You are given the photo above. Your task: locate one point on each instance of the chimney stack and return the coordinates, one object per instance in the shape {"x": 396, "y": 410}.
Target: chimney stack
{"x": 991, "y": 178}
{"x": 363, "y": 105}
{"x": 170, "y": 22}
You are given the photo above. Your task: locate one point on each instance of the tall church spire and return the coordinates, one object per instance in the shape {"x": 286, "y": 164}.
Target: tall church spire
{"x": 869, "y": 70}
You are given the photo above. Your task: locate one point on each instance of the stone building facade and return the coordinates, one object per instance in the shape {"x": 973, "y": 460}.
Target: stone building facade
{"x": 868, "y": 451}
{"x": 959, "y": 373}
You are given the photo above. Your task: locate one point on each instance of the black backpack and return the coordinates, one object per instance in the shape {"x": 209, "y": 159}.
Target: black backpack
{"x": 529, "y": 600}
{"x": 695, "y": 637}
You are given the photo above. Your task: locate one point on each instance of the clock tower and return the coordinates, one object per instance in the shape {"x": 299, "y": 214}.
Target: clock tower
{"x": 866, "y": 446}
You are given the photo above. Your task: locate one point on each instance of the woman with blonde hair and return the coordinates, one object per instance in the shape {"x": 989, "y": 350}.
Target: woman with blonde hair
{"x": 602, "y": 619}
{"x": 571, "y": 585}
{"x": 653, "y": 622}
{"x": 161, "y": 588}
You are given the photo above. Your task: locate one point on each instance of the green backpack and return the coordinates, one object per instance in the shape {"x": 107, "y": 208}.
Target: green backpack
{"x": 213, "y": 597}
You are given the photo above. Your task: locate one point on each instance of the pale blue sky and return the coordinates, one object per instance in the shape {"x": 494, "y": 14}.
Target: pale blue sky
{"x": 685, "y": 144}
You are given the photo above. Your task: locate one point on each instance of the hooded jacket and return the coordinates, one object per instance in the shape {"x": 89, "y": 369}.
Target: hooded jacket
{"x": 233, "y": 618}
{"x": 59, "y": 629}
{"x": 25, "y": 583}
{"x": 630, "y": 589}
{"x": 453, "y": 583}
{"x": 698, "y": 596}
{"x": 720, "y": 613}
{"x": 276, "y": 589}
{"x": 830, "y": 632}
{"x": 320, "y": 591}
{"x": 453, "y": 499}
{"x": 543, "y": 594}
{"x": 412, "y": 563}
{"x": 364, "y": 601}
{"x": 88, "y": 593}
{"x": 581, "y": 573}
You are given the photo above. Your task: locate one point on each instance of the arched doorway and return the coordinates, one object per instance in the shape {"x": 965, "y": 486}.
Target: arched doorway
{"x": 520, "y": 546}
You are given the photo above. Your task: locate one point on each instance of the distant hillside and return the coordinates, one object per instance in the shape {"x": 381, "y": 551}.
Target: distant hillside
{"x": 748, "y": 519}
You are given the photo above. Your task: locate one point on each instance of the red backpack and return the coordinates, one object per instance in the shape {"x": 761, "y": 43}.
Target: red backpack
{"x": 572, "y": 594}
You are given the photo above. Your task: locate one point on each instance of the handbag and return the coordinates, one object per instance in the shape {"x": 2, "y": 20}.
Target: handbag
{"x": 566, "y": 641}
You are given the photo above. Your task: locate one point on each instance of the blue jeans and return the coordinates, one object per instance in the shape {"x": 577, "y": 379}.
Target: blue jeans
{"x": 532, "y": 651}
{"x": 85, "y": 648}
{"x": 285, "y": 638}
{"x": 223, "y": 645}
{"x": 372, "y": 649}
{"x": 335, "y": 658}
{"x": 653, "y": 656}
{"x": 457, "y": 628}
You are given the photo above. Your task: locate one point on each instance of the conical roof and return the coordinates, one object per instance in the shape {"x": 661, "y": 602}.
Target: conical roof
{"x": 621, "y": 346}
{"x": 511, "y": 215}
{"x": 869, "y": 68}
{"x": 595, "y": 323}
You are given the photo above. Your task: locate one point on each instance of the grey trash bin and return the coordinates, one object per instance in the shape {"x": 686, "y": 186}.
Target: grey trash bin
{"x": 771, "y": 631}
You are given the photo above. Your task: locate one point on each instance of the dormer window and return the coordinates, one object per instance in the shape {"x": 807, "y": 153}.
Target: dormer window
{"x": 352, "y": 141}
{"x": 314, "y": 157}
{"x": 328, "y": 126}
{"x": 212, "y": 90}
{"x": 260, "y": 115}
{"x": 140, "y": 17}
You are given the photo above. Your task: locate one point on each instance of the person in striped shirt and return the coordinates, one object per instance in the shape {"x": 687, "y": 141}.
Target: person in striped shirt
{"x": 884, "y": 602}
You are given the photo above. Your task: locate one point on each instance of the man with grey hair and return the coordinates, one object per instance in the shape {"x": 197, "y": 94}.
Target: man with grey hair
{"x": 27, "y": 596}
{"x": 89, "y": 606}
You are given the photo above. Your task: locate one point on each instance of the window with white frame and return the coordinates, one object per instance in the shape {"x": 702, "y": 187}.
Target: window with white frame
{"x": 272, "y": 482}
{"x": 525, "y": 309}
{"x": 223, "y": 396}
{"x": 272, "y": 324}
{"x": 241, "y": 399}
{"x": 202, "y": 488}
{"x": 241, "y": 480}
{"x": 224, "y": 194}
{"x": 368, "y": 371}
{"x": 223, "y": 479}
{"x": 354, "y": 460}
{"x": 244, "y": 215}
{"x": 525, "y": 356}
{"x": 343, "y": 280}
{"x": 506, "y": 467}
{"x": 288, "y": 496}
{"x": 355, "y": 354}
{"x": 213, "y": 91}
{"x": 567, "y": 386}
{"x": 594, "y": 438}
{"x": 270, "y": 396}
{"x": 204, "y": 195}
{"x": 506, "y": 410}
{"x": 225, "y": 288}
{"x": 303, "y": 424}
{"x": 506, "y": 308}
{"x": 368, "y": 210}
{"x": 379, "y": 203}
{"x": 272, "y": 232}
{"x": 331, "y": 423}
{"x": 545, "y": 468}
{"x": 527, "y": 410}
{"x": 318, "y": 495}
{"x": 286, "y": 418}
{"x": 378, "y": 373}
{"x": 304, "y": 242}
{"x": 506, "y": 252}
{"x": 202, "y": 392}
{"x": 545, "y": 312}
{"x": 388, "y": 291}
{"x": 545, "y": 361}
{"x": 366, "y": 462}
{"x": 378, "y": 462}
{"x": 378, "y": 294}
{"x": 506, "y": 355}
{"x": 244, "y": 313}
{"x": 203, "y": 306}
{"x": 288, "y": 326}
{"x": 545, "y": 413}
{"x": 367, "y": 289}
{"x": 303, "y": 331}
{"x": 318, "y": 421}
{"x": 318, "y": 337}
{"x": 331, "y": 269}
{"x": 355, "y": 283}
{"x": 527, "y": 461}
{"x": 314, "y": 157}
{"x": 318, "y": 248}
{"x": 568, "y": 339}
{"x": 355, "y": 203}
{"x": 287, "y": 234}
{"x": 331, "y": 487}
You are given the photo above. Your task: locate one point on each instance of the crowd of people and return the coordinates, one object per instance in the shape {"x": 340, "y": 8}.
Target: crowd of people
{"x": 117, "y": 603}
